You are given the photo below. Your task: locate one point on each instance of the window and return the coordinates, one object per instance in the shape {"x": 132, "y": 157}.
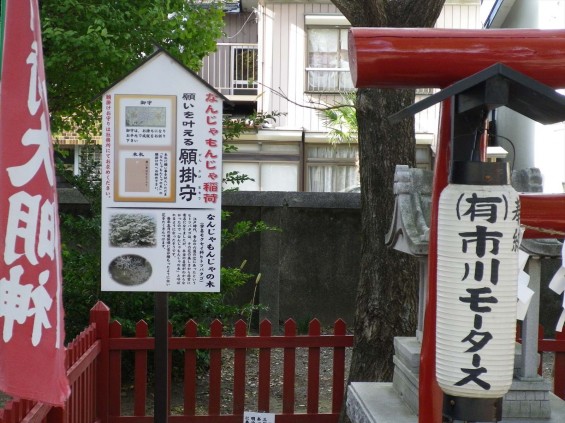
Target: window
{"x": 327, "y": 62}
{"x": 332, "y": 168}
{"x": 273, "y": 166}
{"x": 294, "y": 165}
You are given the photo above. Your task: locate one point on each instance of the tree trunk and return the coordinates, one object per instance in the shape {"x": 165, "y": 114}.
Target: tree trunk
{"x": 387, "y": 292}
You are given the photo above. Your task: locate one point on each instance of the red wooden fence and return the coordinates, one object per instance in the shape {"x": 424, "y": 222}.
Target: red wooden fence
{"x": 557, "y": 346}
{"x": 95, "y": 371}
{"x": 94, "y": 363}
{"x": 241, "y": 343}
{"x": 81, "y": 371}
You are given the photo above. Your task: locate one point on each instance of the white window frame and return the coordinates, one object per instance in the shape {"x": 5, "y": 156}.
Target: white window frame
{"x": 327, "y": 22}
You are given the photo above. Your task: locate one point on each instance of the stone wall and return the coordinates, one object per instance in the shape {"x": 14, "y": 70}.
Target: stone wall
{"x": 311, "y": 267}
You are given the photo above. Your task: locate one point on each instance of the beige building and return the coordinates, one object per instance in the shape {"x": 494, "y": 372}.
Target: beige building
{"x": 291, "y": 57}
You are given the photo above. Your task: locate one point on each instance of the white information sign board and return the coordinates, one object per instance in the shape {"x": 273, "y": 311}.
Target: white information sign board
{"x": 251, "y": 417}
{"x": 161, "y": 181}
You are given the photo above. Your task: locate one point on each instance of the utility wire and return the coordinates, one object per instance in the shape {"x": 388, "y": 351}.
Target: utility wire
{"x": 254, "y": 12}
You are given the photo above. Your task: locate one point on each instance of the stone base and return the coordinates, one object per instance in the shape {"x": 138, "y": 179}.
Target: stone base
{"x": 369, "y": 402}
{"x": 526, "y": 399}
{"x": 406, "y": 371}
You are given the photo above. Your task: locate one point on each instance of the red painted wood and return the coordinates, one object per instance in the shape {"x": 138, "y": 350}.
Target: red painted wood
{"x": 385, "y": 57}
{"x": 140, "y": 372}
{"x": 58, "y": 415}
{"x": 84, "y": 362}
{"x": 540, "y": 337}
{"x": 215, "y": 371}
{"x": 430, "y": 395}
{"x": 264, "y": 370}
{"x": 181, "y": 343}
{"x": 190, "y": 332}
{"x": 86, "y": 353}
{"x": 289, "y": 364}
{"x": 313, "y": 392}
{"x": 115, "y": 370}
{"x": 555, "y": 345}
{"x": 70, "y": 403}
{"x": 239, "y": 371}
{"x": 100, "y": 316}
{"x": 37, "y": 413}
{"x": 546, "y": 211}
{"x": 559, "y": 367}
{"x": 83, "y": 380}
{"x": 169, "y": 368}
{"x": 338, "y": 377}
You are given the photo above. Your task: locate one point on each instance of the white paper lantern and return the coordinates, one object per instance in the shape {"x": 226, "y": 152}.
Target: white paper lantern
{"x": 477, "y": 273}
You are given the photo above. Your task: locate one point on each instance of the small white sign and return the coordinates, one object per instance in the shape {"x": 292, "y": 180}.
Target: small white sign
{"x": 251, "y": 417}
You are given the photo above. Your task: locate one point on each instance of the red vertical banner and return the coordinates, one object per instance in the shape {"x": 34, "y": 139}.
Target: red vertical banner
{"x": 32, "y": 352}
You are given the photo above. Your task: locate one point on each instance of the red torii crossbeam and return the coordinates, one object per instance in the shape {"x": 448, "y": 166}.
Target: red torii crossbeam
{"x": 386, "y": 58}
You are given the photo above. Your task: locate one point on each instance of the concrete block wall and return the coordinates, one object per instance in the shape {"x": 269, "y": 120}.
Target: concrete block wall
{"x": 311, "y": 267}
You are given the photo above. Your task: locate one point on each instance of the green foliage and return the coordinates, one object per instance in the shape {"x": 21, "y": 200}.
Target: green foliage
{"x": 242, "y": 229}
{"x": 341, "y": 120}
{"x": 90, "y": 44}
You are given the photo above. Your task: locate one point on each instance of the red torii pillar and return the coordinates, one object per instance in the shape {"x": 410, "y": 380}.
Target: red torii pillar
{"x": 436, "y": 58}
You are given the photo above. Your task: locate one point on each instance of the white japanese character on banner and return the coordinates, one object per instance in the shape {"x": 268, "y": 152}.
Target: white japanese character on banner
{"x": 42, "y": 302}
{"x": 33, "y": 102}
{"x": 47, "y": 234}
{"x": 15, "y": 304}
{"x": 23, "y": 218}
{"x": 22, "y": 223}
{"x": 21, "y": 175}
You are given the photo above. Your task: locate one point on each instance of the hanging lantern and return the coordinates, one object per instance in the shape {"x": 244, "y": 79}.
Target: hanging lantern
{"x": 477, "y": 274}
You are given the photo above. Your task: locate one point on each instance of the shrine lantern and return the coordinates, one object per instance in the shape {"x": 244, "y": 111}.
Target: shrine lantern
{"x": 478, "y": 240}
{"x": 478, "y": 232}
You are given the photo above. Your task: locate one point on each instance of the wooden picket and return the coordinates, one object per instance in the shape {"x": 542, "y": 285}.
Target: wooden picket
{"x": 94, "y": 363}
{"x": 559, "y": 366}
{"x": 240, "y": 343}
{"x": 81, "y": 361}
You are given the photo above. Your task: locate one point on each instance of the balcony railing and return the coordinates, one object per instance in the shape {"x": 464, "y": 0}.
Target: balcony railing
{"x": 232, "y": 69}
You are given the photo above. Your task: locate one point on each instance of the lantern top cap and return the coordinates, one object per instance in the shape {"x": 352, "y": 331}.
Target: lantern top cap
{"x": 498, "y": 85}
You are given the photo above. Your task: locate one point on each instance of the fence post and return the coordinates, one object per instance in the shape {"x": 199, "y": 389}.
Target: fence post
{"x": 100, "y": 315}
{"x": 289, "y": 368}
{"x": 559, "y": 368}
{"x": 338, "y": 377}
